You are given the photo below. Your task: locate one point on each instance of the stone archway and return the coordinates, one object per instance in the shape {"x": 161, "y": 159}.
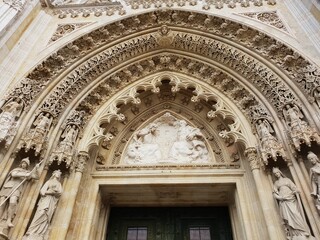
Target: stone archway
{"x": 234, "y": 72}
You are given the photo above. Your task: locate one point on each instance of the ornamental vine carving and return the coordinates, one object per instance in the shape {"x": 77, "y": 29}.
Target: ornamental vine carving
{"x": 300, "y": 70}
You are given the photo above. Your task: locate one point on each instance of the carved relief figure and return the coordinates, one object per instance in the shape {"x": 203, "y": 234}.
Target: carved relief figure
{"x": 50, "y": 194}
{"x": 316, "y": 95}
{"x": 167, "y": 140}
{"x": 270, "y": 147}
{"x": 300, "y": 131}
{"x": 286, "y": 193}
{"x": 11, "y": 111}
{"x": 315, "y": 177}
{"x": 11, "y": 190}
{"x": 189, "y": 145}
{"x": 145, "y": 147}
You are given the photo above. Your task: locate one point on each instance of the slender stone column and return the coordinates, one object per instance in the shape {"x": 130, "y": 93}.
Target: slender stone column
{"x": 60, "y": 230}
{"x": 273, "y": 229}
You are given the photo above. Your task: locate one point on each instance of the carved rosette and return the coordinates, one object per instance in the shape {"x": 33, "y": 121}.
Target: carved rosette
{"x": 82, "y": 160}
{"x": 253, "y": 158}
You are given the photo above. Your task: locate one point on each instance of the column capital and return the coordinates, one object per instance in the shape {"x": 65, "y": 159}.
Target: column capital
{"x": 253, "y": 158}
{"x": 82, "y": 160}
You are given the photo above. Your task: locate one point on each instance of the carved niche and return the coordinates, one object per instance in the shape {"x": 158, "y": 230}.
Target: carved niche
{"x": 167, "y": 140}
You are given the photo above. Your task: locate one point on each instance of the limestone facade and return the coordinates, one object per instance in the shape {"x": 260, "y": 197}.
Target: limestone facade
{"x": 138, "y": 103}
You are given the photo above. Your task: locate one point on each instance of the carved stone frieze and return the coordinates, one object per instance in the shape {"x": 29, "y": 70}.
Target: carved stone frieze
{"x": 299, "y": 69}
{"x": 64, "y": 29}
{"x": 16, "y": 4}
{"x": 268, "y": 17}
{"x": 232, "y": 4}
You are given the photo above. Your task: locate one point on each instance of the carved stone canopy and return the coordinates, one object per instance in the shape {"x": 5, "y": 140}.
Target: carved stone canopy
{"x": 167, "y": 140}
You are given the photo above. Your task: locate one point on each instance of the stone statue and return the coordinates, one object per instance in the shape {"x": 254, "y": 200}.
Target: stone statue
{"x": 291, "y": 211}
{"x": 315, "y": 177}
{"x": 50, "y": 194}
{"x": 11, "y": 111}
{"x": 42, "y": 124}
{"x": 65, "y": 149}
{"x": 37, "y": 136}
{"x": 270, "y": 147}
{"x": 316, "y": 95}
{"x": 300, "y": 131}
{"x": 69, "y": 137}
{"x": 11, "y": 191}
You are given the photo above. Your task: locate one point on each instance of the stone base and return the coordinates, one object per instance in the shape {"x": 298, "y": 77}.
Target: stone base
{"x": 32, "y": 237}
{"x": 4, "y": 230}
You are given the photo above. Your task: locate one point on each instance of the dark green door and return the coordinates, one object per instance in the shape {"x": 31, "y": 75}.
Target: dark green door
{"x": 201, "y": 223}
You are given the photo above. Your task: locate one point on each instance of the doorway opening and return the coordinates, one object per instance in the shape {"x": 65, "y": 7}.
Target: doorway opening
{"x": 169, "y": 223}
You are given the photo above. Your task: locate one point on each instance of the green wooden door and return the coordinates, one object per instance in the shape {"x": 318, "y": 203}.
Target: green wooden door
{"x": 201, "y": 223}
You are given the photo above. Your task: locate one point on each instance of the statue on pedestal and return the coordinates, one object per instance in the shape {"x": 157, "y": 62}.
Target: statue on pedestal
{"x": 291, "y": 211}
{"x": 300, "y": 131}
{"x": 11, "y": 191}
{"x": 11, "y": 111}
{"x": 270, "y": 147}
{"x": 37, "y": 136}
{"x": 315, "y": 178}
{"x": 50, "y": 194}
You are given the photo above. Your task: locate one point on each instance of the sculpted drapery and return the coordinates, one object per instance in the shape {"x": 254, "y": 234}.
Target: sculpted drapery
{"x": 285, "y": 191}
{"x": 50, "y": 194}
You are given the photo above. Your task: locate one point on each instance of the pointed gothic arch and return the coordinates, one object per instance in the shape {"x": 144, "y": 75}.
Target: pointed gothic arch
{"x": 237, "y": 72}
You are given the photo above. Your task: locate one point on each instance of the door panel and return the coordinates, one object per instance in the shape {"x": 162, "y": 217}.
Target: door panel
{"x": 206, "y": 223}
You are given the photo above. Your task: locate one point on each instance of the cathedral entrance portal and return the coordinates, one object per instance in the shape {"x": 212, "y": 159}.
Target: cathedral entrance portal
{"x": 170, "y": 223}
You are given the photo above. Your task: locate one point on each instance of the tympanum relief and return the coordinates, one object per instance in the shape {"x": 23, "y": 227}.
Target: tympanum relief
{"x": 167, "y": 140}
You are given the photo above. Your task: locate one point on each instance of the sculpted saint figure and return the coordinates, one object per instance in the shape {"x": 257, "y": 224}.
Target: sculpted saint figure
{"x": 189, "y": 145}
{"x": 293, "y": 116}
{"x": 270, "y": 147}
{"x": 70, "y": 136}
{"x": 10, "y": 113}
{"x": 316, "y": 95}
{"x": 11, "y": 190}
{"x": 50, "y": 194}
{"x": 264, "y": 131}
{"x": 144, "y": 148}
{"x": 42, "y": 124}
{"x": 300, "y": 131}
{"x": 315, "y": 177}
{"x": 285, "y": 191}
